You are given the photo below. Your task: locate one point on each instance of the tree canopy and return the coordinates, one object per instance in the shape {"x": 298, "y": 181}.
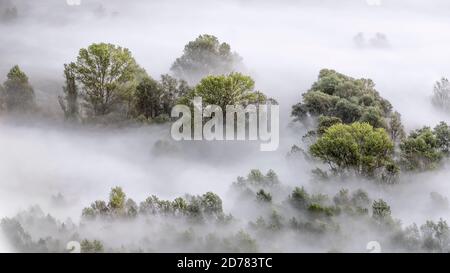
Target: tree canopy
{"x": 357, "y": 146}
{"x": 205, "y": 56}
{"x": 103, "y": 70}
{"x": 18, "y": 93}
{"x": 223, "y": 90}
{"x": 424, "y": 148}
{"x": 337, "y": 95}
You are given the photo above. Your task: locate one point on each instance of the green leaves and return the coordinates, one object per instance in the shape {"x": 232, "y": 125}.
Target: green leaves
{"x": 351, "y": 100}
{"x": 18, "y": 93}
{"x": 358, "y": 147}
{"x": 223, "y": 90}
{"x": 424, "y": 148}
{"x": 103, "y": 70}
{"x": 205, "y": 56}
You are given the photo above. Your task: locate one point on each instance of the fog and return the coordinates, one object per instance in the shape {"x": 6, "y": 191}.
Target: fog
{"x": 284, "y": 44}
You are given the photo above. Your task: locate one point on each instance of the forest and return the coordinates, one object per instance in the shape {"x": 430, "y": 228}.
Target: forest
{"x": 86, "y": 153}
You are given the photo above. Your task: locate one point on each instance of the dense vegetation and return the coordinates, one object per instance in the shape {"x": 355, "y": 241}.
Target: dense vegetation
{"x": 352, "y": 131}
{"x": 198, "y": 223}
{"x": 356, "y": 130}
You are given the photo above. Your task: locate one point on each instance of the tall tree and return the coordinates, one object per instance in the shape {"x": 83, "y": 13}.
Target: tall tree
{"x": 18, "y": 93}
{"x": 69, "y": 102}
{"x": 103, "y": 71}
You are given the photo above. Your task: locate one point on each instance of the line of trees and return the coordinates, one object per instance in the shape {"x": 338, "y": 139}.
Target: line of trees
{"x": 199, "y": 223}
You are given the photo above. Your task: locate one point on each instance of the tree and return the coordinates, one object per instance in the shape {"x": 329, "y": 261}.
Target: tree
{"x": 205, "y": 56}
{"x": 396, "y": 128}
{"x": 117, "y": 199}
{"x": 147, "y": 98}
{"x": 381, "y": 211}
{"x": 94, "y": 246}
{"x": 347, "y": 111}
{"x": 300, "y": 198}
{"x": 103, "y": 71}
{"x": 154, "y": 99}
{"x": 326, "y": 122}
{"x": 337, "y": 95}
{"x": 373, "y": 116}
{"x": 263, "y": 196}
{"x": 436, "y": 236}
{"x": 420, "y": 150}
{"x": 211, "y": 204}
{"x": 69, "y": 103}
{"x": 18, "y": 93}
{"x": 172, "y": 90}
{"x": 441, "y": 94}
{"x": 442, "y": 133}
{"x": 357, "y": 146}
{"x": 223, "y": 90}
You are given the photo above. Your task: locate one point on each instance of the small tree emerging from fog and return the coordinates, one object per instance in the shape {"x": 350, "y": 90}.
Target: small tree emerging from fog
{"x": 381, "y": 211}
{"x": 205, "y": 56}
{"x": 18, "y": 93}
{"x": 441, "y": 94}
{"x": 117, "y": 199}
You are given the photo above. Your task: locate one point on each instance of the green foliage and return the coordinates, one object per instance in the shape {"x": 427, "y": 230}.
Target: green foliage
{"x": 172, "y": 90}
{"x": 442, "y": 133}
{"x": 424, "y": 148}
{"x": 263, "y": 196}
{"x": 358, "y": 147}
{"x": 223, "y": 90}
{"x": 205, "y": 56}
{"x": 69, "y": 102}
{"x": 94, "y": 246}
{"x": 104, "y": 70}
{"x": 396, "y": 129}
{"x": 381, "y": 211}
{"x": 256, "y": 181}
{"x": 436, "y": 236}
{"x": 346, "y": 98}
{"x": 117, "y": 199}
{"x": 147, "y": 98}
{"x": 18, "y": 94}
{"x": 325, "y": 122}
{"x": 206, "y": 206}
{"x": 154, "y": 100}
{"x": 300, "y": 198}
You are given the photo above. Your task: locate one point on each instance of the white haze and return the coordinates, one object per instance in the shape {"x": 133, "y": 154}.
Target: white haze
{"x": 284, "y": 44}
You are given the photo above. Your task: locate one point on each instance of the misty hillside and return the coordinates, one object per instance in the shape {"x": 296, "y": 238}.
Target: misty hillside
{"x": 89, "y": 92}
